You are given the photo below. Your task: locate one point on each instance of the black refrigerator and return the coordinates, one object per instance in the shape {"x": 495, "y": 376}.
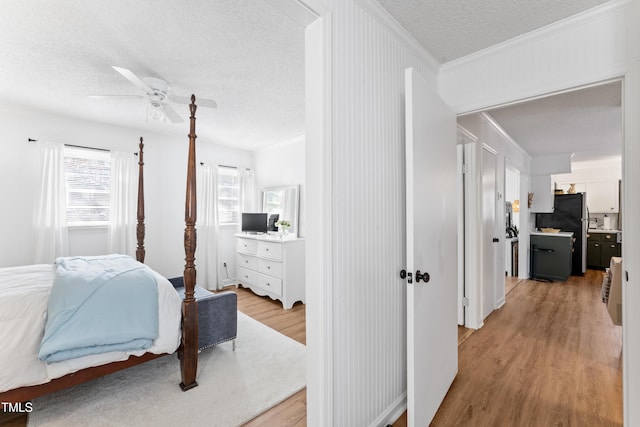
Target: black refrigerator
{"x": 570, "y": 214}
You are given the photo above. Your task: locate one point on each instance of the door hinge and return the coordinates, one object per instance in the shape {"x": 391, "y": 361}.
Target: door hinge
{"x": 465, "y": 168}
{"x": 465, "y": 302}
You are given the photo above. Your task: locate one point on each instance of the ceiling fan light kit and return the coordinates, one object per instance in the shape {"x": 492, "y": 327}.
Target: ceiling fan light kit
{"x": 155, "y": 112}
{"x": 157, "y": 92}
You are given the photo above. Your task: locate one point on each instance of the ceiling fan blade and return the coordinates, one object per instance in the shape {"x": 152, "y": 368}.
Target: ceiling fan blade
{"x": 127, "y": 74}
{"x": 171, "y": 114}
{"x": 200, "y": 102}
{"x": 117, "y": 96}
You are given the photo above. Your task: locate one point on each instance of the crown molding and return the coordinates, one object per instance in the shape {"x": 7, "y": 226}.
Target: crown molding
{"x": 546, "y": 31}
{"x": 487, "y": 117}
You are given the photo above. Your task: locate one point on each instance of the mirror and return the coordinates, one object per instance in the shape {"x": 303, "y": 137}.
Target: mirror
{"x": 281, "y": 201}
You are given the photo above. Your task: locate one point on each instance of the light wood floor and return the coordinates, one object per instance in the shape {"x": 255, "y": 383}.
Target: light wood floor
{"x": 549, "y": 356}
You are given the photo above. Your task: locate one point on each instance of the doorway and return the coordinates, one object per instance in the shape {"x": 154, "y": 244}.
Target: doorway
{"x": 512, "y": 197}
{"x": 490, "y": 239}
{"x": 603, "y": 165}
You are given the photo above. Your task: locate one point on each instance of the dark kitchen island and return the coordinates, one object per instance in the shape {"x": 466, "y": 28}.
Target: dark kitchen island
{"x": 551, "y": 255}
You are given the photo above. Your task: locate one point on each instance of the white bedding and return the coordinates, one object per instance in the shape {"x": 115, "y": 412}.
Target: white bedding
{"x": 23, "y": 307}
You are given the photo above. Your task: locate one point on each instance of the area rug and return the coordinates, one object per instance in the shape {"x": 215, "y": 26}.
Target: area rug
{"x": 233, "y": 387}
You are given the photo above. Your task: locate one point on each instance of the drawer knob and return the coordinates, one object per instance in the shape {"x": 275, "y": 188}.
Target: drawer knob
{"x": 268, "y": 284}
{"x": 269, "y": 267}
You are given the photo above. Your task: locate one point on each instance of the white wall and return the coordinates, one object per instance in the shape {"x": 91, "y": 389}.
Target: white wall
{"x": 282, "y": 164}
{"x": 165, "y": 183}
{"x": 601, "y": 44}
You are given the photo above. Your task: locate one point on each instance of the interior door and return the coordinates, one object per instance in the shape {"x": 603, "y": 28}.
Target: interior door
{"x": 489, "y": 237}
{"x": 432, "y": 351}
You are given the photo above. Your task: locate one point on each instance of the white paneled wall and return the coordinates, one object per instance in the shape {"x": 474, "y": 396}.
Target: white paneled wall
{"x": 369, "y": 299}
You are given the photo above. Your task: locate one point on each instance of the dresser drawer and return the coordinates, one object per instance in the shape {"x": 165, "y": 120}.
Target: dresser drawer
{"x": 248, "y": 277}
{"x": 247, "y": 261}
{"x": 270, "y": 250}
{"x": 247, "y": 246}
{"x": 269, "y": 283}
{"x": 272, "y": 268}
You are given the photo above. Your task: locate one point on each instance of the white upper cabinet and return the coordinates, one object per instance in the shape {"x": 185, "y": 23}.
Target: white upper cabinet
{"x": 603, "y": 197}
{"x": 542, "y": 189}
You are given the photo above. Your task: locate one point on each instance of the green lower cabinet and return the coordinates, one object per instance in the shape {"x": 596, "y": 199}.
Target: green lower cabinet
{"x": 600, "y": 248}
{"x": 594, "y": 251}
{"x": 609, "y": 250}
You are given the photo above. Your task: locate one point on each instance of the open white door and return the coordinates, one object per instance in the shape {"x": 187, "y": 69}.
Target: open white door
{"x": 432, "y": 350}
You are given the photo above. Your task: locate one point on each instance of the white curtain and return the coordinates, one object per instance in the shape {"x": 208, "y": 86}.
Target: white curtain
{"x": 246, "y": 194}
{"x": 207, "y": 226}
{"x": 50, "y": 222}
{"x": 123, "y": 204}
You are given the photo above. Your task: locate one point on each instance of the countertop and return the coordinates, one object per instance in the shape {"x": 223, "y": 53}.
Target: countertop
{"x": 599, "y": 230}
{"x": 560, "y": 234}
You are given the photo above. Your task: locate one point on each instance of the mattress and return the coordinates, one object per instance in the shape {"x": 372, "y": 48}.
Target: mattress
{"x": 24, "y": 292}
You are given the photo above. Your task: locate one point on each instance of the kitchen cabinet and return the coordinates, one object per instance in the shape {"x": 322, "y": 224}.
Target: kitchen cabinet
{"x": 551, "y": 255}
{"x": 603, "y": 197}
{"x": 542, "y": 189}
{"x": 601, "y": 246}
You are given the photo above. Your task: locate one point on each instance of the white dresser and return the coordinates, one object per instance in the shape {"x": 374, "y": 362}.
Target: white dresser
{"x": 270, "y": 266}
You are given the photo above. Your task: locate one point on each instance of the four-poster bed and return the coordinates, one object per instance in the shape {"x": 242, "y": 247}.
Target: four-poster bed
{"x": 188, "y": 328}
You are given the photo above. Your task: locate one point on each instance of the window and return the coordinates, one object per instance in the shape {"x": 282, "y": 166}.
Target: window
{"x": 227, "y": 195}
{"x": 88, "y": 177}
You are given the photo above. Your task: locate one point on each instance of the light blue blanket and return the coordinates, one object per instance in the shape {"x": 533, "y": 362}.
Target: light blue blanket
{"x": 99, "y": 304}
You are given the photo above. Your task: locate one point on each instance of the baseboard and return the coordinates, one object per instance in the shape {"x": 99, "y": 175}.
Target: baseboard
{"x": 392, "y": 413}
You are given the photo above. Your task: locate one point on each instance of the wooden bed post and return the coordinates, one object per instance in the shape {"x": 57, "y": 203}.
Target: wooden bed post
{"x": 189, "y": 348}
{"x": 140, "y": 252}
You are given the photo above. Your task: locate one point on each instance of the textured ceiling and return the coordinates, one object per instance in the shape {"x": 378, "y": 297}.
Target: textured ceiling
{"x": 450, "y": 29}
{"x": 245, "y": 54}
{"x": 587, "y": 122}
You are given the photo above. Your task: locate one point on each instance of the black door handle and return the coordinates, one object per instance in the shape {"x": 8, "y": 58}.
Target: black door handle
{"x": 422, "y": 276}
{"x": 405, "y": 275}
{"x": 496, "y": 240}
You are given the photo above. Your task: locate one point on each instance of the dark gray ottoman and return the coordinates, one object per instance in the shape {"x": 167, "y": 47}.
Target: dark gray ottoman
{"x": 217, "y": 315}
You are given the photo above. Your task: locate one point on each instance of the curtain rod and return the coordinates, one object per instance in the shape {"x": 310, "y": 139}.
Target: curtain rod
{"x": 225, "y": 166}
{"x": 75, "y": 146}
{"x": 81, "y": 146}
{"x": 231, "y": 167}
{"x": 86, "y": 148}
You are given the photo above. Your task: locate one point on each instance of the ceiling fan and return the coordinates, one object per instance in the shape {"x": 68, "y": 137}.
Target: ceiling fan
{"x": 157, "y": 92}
